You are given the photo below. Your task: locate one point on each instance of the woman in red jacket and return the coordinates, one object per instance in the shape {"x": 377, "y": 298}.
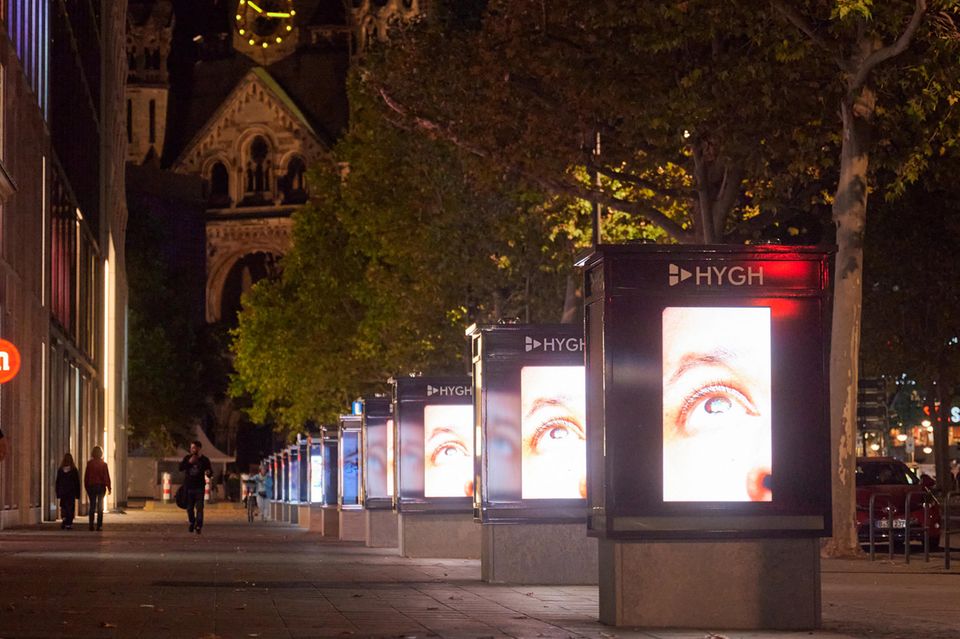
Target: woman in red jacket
{"x": 96, "y": 480}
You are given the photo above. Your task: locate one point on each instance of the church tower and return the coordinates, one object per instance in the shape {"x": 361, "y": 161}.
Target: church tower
{"x": 149, "y": 34}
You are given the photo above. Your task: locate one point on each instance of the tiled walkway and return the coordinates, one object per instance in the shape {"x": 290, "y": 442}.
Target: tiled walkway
{"x": 145, "y": 576}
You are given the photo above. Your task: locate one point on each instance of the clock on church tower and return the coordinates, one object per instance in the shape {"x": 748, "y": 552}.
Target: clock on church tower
{"x": 265, "y": 30}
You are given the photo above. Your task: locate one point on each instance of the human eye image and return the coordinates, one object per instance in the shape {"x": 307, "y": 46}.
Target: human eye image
{"x": 553, "y": 432}
{"x": 448, "y": 451}
{"x": 716, "y": 404}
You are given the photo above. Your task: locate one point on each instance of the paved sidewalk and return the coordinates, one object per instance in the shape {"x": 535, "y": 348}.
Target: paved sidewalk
{"x": 145, "y": 576}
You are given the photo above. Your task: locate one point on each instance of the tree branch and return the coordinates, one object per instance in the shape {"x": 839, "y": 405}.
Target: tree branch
{"x": 729, "y": 190}
{"x": 797, "y": 20}
{"x": 895, "y": 49}
{"x": 439, "y": 132}
{"x": 635, "y": 180}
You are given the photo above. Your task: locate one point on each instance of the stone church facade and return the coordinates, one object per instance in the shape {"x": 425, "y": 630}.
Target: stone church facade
{"x": 255, "y": 103}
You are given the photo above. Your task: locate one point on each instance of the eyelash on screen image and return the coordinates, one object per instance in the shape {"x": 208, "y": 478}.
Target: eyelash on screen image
{"x": 445, "y": 446}
{"x": 709, "y": 391}
{"x": 544, "y": 429}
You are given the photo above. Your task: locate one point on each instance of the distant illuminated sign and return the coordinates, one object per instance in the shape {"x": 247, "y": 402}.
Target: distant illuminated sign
{"x": 448, "y": 450}
{"x": 716, "y": 404}
{"x": 553, "y": 432}
{"x": 356, "y": 408}
{"x": 9, "y": 361}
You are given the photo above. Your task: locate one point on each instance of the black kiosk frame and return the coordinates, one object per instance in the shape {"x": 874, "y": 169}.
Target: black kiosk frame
{"x": 531, "y": 428}
{"x": 377, "y": 417}
{"x": 432, "y": 525}
{"x": 708, "y": 405}
{"x": 505, "y": 358}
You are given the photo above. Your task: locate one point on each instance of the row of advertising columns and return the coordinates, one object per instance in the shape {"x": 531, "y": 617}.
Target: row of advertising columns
{"x": 674, "y": 450}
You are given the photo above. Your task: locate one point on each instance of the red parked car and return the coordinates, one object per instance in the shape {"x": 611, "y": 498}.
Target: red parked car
{"x": 891, "y": 481}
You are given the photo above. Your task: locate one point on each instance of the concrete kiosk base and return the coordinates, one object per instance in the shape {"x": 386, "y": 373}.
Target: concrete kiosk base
{"x": 309, "y": 517}
{"x": 759, "y": 584}
{"x": 446, "y": 536}
{"x": 381, "y": 529}
{"x": 538, "y": 553}
{"x": 330, "y": 521}
{"x": 352, "y": 525}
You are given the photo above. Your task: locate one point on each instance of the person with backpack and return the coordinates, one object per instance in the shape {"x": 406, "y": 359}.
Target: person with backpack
{"x": 96, "y": 479}
{"x": 68, "y": 490}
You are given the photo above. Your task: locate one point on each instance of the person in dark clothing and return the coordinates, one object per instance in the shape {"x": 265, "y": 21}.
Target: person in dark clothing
{"x": 196, "y": 468}
{"x": 96, "y": 479}
{"x": 3, "y": 446}
{"x": 68, "y": 490}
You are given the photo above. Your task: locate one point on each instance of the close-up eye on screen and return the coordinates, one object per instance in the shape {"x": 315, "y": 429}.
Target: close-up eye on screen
{"x": 717, "y": 443}
{"x": 448, "y": 450}
{"x": 553, "y": 431}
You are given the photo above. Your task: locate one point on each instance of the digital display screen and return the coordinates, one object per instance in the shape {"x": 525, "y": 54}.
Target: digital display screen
{"x": 448, "y": 450}
{"x": 391, "y": 456}
{"x": 316, "y": 474}
{"x": 331, "y": 480}
{"x": 351, "y": 467}
{"x": 717, "y": 404}
{"x": 376, "y": 460}
{"x": 553, "y": 431}
{"x": 294, "y": 477}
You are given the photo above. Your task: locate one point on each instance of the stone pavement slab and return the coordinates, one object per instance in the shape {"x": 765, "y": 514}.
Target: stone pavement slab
{"x": 146, "y": 577}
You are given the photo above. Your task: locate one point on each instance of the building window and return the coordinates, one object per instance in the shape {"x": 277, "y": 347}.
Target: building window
{"x": 258, "y": 172}
{"x": 219, "y": 186}
{"x": 153, "y": 121}
{"x": 294, "y": 182}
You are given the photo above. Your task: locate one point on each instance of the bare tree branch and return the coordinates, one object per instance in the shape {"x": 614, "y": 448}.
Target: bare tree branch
{"x": 891, "y": 51}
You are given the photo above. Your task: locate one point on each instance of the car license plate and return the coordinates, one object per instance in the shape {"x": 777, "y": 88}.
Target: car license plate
{"x": 897, "y": 523}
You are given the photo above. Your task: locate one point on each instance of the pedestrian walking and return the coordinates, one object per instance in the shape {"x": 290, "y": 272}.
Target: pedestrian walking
{"x": 3, "y": 446}
{"x": 68, "y": 490}
{"x": 264, "y": 490}
{"x": 196, "y": 468}
{"x": 96, "y": 479}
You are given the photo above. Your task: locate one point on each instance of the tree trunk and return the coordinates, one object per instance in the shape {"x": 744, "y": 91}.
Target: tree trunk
{"x": 849, "y": 214}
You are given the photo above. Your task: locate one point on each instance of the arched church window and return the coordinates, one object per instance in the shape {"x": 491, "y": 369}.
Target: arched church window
{"x": 258, "y": 170}
{"x": 294, "y": 182}
{"x": 219, "y": 186}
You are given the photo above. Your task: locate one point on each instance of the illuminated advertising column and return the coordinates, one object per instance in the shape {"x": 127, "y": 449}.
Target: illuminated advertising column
{"x": 275, "y": 487}
{"x": 351, "y": 508}
{"x": 433, "y": 423}
{"x": 530, "y": 412}
{"x": 284, "y": 457}
{"x": 709, "y": 439}
{"x": 316, "y": 469}
{"x": 330, "y": 515}
{"x": 377, "y": 485}
{"x": 293, "y": 496}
